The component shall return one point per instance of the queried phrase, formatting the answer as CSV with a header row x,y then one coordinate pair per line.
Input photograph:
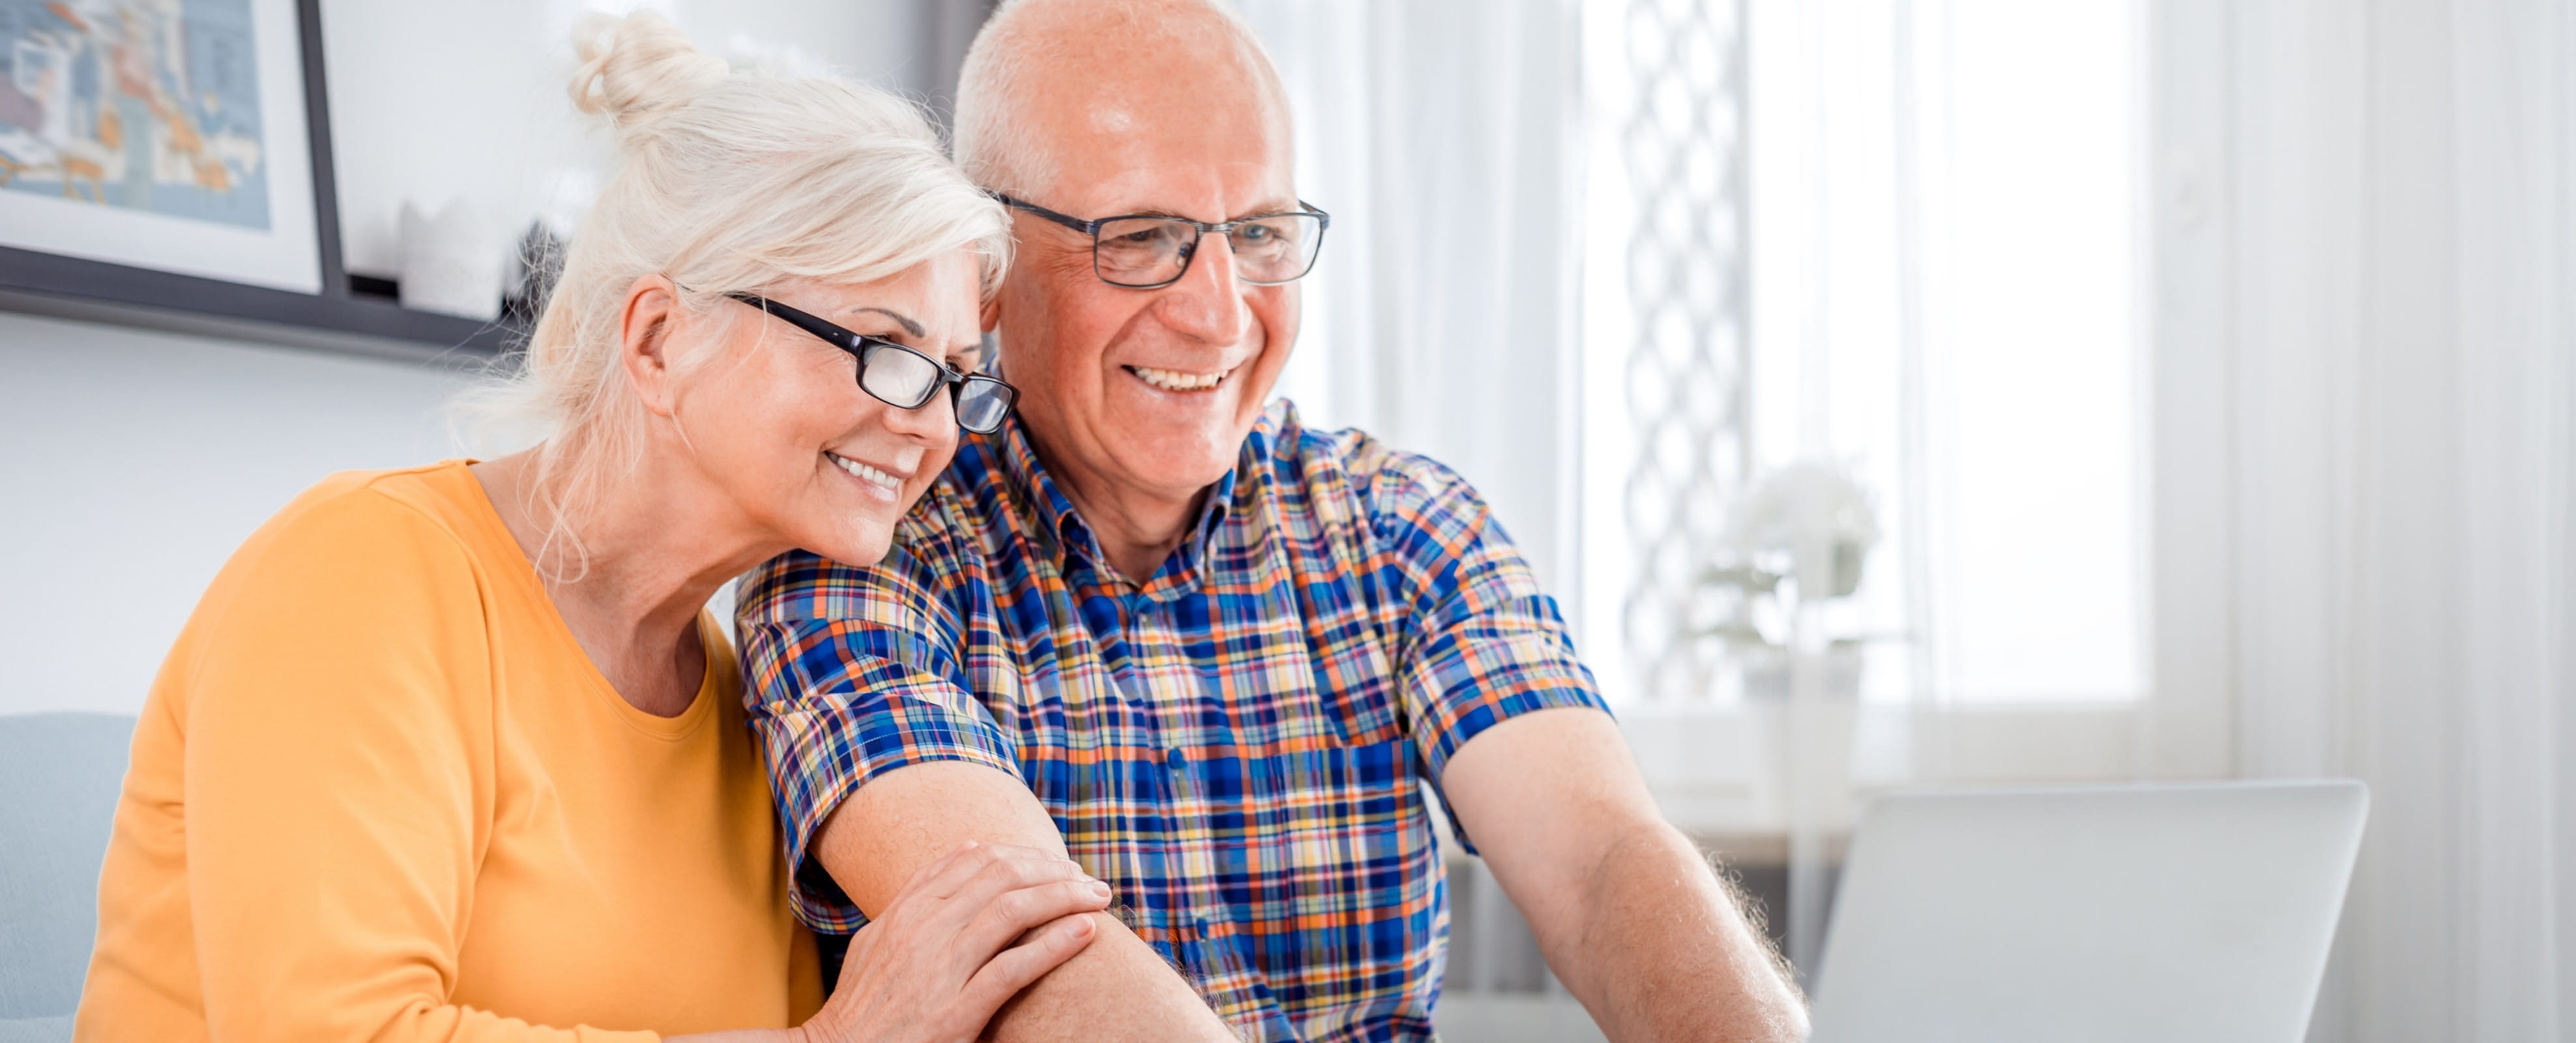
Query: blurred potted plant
x,y
1796,542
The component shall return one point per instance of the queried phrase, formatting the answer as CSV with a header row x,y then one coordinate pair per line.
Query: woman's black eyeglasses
x,y
1152,251
901,377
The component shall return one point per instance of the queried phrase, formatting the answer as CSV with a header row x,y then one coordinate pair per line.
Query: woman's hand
x,y
966,934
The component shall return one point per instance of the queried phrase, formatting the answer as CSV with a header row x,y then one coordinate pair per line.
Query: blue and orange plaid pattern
x,y
1236,746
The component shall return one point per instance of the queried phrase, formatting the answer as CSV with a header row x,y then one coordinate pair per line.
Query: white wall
x,y
134,462
467,98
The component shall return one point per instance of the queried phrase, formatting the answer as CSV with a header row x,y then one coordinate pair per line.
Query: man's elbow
x,y
908,817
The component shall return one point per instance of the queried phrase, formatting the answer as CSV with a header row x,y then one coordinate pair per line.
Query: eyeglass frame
x,y
861,345
1091,228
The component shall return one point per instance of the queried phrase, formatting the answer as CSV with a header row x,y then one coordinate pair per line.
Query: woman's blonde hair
x,y
728,180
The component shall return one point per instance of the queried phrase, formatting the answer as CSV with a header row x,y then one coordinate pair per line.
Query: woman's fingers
x,y
1014,968
947,937
952,872
1006,872
1000,922
942,876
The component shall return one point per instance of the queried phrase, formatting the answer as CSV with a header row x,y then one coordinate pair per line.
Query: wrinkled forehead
x,y
1193,101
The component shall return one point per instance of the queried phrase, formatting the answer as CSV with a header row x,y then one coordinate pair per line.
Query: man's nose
x,y
1207,304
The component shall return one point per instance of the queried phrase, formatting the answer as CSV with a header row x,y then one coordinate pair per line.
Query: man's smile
x,y
1177,380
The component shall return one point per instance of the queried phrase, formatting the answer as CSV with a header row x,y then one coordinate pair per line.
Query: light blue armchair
x,y
59,776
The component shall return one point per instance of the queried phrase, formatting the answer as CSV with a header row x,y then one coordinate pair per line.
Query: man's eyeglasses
x,y
1151,251
901,377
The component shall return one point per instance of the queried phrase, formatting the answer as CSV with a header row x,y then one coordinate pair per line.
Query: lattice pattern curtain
x,y
1674,105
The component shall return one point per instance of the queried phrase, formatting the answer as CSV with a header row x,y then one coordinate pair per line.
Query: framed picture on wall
x,y
167,164
168,135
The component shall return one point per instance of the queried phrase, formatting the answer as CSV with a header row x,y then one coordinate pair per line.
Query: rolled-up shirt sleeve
x,y
1478,642
853,673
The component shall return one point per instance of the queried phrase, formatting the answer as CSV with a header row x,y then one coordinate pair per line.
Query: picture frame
x,y
166,206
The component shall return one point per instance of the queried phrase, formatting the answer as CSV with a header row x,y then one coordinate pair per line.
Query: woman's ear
x,y
644,340
990,315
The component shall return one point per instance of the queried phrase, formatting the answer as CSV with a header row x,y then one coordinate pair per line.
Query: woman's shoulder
x,y
359,534
427,498
357,591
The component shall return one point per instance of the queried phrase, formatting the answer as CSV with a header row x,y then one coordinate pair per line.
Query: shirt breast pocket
x,y
1346,655
1356,683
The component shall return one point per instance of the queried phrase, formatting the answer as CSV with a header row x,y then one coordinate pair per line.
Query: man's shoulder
x,y
1381,481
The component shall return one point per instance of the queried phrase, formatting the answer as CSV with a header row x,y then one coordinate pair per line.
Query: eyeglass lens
x,y
1150,251
900,377
907,379
981,403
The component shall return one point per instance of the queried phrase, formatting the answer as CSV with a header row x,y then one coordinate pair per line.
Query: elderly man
x,y
1209,653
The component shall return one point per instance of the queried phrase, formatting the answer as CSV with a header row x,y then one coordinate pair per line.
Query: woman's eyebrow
x,y
909,326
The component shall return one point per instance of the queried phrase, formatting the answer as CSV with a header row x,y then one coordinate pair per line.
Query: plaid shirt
x,y
1236,746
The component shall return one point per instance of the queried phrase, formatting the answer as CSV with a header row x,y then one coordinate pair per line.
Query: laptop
x,y
2130,914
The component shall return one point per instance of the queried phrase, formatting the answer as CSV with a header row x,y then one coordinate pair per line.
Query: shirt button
x,y
1175,759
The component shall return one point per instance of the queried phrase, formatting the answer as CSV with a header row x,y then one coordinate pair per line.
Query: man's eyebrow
x,y
909,326
1263,209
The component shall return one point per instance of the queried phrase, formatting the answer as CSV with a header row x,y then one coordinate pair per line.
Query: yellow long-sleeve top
x,y
379,793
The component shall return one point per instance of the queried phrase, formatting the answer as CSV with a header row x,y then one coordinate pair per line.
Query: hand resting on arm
x,y
1116,988
965,934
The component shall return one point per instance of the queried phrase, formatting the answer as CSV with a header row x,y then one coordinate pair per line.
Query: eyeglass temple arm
x,y
1067,220
830,333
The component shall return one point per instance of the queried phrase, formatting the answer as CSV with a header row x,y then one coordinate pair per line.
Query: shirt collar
x,y
1060,523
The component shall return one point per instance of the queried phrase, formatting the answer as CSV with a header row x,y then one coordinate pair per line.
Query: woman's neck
x,y
653,549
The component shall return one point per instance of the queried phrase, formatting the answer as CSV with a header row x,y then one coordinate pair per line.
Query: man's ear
x,y
991,312
644,337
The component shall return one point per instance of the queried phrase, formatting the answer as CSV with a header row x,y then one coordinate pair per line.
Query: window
x,y
1903,238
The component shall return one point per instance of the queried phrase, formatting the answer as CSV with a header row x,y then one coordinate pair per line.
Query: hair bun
x,y
637,67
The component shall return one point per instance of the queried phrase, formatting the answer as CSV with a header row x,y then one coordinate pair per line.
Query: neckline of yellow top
x,y
522,571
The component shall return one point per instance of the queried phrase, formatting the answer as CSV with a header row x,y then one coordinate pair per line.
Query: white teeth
x,y
866,473
1175,380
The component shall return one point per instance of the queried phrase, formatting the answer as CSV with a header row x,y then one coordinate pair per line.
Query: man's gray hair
x,y
995,141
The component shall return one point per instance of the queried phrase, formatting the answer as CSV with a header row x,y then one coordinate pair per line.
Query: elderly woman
x,y
455,752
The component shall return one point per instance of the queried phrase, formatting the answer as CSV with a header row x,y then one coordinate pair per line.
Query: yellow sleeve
x,y
339,783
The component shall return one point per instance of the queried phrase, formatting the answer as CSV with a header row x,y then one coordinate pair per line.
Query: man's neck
x,y
1137,528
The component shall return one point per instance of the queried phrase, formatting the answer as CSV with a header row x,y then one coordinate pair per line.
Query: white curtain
x,y
1442,314
2403,260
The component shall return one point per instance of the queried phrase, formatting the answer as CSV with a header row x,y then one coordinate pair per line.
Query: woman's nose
x,y
931,421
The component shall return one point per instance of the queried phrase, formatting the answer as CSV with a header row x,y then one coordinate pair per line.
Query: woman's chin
x,y
860,545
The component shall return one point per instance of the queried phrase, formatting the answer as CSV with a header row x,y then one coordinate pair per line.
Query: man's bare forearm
x,y
1662,935
1629,915
1117,988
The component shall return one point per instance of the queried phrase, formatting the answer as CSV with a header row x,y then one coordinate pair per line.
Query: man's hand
x,y
1116,988
1628,914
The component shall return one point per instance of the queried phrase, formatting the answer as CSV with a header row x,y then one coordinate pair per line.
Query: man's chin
x,y
1189,460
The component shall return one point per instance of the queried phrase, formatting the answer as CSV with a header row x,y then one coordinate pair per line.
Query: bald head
x,y
1049,78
